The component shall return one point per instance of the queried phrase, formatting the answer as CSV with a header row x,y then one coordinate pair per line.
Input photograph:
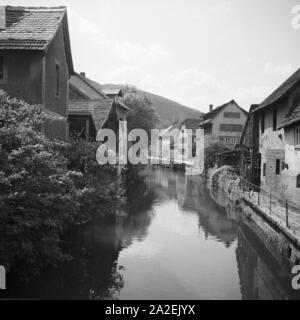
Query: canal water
x,y
175,243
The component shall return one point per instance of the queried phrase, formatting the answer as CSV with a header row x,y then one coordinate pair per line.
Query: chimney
x,y
82,74
211,107
2,18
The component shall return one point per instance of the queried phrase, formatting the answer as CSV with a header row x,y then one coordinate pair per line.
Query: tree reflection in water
x,y
96,270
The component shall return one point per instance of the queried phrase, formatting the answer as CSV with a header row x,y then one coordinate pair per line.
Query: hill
x,y
171,111
168,110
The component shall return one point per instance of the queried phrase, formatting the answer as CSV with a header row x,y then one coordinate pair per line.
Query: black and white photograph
x,y
150,151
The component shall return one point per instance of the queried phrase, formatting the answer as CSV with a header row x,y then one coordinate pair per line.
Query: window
x,y
274,119
262,123
298,181
297,135
1,68
236,115
264,169
277,166
231,127
57,71
229,140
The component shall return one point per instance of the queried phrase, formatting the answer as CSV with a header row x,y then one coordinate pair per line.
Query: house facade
x,y
192,125
279,140
224,125
249,156
91,110
36,60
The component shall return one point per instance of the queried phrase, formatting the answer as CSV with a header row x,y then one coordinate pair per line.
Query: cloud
x,y
214,10
190,86
84,28
138,53
221,8
255,94
283,70
128,74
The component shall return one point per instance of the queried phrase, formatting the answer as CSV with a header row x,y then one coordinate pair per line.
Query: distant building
x,y
224,125
188,124
112,93
91,110
36,60
250,158
175,138
279,139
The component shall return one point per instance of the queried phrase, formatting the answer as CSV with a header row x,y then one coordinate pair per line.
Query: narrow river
x,y
175,243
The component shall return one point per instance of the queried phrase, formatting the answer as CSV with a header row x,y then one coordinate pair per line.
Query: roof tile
x,y
281,91
99,109
291,118
30,28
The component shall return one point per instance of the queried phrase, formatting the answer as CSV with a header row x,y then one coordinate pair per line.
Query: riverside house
x,y
279,139
224,124
90,109
36,61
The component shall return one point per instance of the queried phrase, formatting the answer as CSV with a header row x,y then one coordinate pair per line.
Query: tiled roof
x,y
214,112
112,91
29,28
291,118
99,109
281,91
191,123
94,102
120,103
86,87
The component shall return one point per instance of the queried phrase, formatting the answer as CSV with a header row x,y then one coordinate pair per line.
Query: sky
x,y
196,52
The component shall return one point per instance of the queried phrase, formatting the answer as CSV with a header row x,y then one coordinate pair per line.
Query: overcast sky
x,y
196,52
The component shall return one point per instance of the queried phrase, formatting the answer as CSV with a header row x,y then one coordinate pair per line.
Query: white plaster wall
x,y
281,139
292,159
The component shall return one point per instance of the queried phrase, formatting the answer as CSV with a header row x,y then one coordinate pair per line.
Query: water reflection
x,y
175,243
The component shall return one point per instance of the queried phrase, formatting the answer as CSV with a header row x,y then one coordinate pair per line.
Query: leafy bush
x,y
210,155
46,186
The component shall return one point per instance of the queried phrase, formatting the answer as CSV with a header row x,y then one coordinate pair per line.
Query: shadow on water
x,y
175,243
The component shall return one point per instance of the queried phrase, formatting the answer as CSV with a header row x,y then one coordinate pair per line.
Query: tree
x,y
46,187
142,114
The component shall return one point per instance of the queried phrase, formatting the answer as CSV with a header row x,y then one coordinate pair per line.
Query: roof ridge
x,y
45,9
85,80
281,90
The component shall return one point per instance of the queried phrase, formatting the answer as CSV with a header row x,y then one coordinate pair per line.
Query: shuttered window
x,y
236,115
277,166
298,181
57,70
1,67
262,122
274,119
231,127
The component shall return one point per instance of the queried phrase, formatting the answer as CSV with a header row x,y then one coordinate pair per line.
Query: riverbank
x,y
282,242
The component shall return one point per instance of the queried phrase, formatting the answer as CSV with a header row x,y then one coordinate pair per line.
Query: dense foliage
x,y
46,187
210,155
142,113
